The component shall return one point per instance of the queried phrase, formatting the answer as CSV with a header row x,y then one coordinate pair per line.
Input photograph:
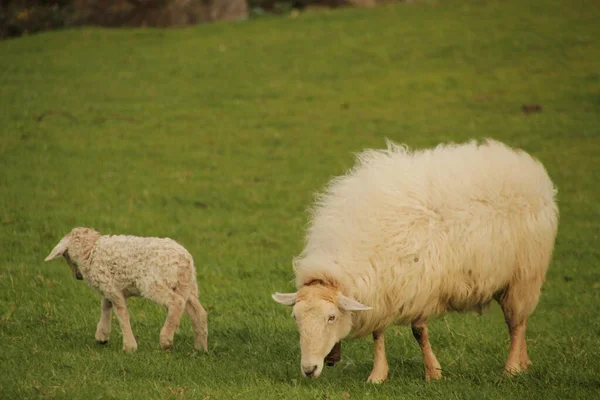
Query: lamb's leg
x,y
175,304
176,308
120,305
380,370
432,366
199,322
103,329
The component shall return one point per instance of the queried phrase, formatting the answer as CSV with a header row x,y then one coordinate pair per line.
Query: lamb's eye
x,y
293,315
331,318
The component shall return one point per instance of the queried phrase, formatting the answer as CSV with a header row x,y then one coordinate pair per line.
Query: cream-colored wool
x,y
122,266
414,234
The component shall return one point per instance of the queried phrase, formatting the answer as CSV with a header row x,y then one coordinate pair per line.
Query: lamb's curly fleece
x,y
416,233
121,266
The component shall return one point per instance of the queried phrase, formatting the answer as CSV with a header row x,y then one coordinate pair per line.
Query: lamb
x,y
122,266
407,235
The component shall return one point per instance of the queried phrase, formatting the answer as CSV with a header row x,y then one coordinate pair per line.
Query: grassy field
x,y
219,135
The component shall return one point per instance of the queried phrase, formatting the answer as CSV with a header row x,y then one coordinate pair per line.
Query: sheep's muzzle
x,y
335,355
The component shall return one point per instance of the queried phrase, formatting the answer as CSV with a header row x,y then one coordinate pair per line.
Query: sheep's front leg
x,y
432,366
120,304
517,361
103,330
380,370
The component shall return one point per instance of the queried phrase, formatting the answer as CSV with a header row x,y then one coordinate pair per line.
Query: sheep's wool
x,y
122,266
418,233
147,261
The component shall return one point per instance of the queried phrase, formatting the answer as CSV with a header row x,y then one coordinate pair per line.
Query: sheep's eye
x,y
293,315
331,318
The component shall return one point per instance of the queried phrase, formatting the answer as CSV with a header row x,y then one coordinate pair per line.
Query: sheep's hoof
x,y
512,370
377,378
376,381
433,375
101,341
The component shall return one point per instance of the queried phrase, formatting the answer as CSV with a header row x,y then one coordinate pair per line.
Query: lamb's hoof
x,y
102,337
201,347
167,346
130,349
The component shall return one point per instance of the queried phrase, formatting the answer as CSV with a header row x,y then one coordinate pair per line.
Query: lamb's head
x,y
324,318
76,247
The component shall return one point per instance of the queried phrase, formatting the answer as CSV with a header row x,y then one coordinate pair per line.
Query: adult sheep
x,y
408,235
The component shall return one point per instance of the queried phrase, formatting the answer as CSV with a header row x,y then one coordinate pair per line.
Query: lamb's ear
x,y
287,299
59,250
349,304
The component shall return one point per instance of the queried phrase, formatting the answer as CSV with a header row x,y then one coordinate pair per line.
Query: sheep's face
x,y
321,325
324,318
74,267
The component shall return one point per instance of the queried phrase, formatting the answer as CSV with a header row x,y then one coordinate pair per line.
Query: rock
x,y
158,13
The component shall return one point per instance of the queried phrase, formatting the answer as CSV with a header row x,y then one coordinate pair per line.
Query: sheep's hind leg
x,y
517,303
517,360
120,305
433,371
197,314
103,329
175,304
380,370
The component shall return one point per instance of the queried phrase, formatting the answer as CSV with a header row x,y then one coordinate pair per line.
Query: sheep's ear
x,y
349,304
287,299
59,250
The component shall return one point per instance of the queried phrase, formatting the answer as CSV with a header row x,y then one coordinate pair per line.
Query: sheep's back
x,y
138,263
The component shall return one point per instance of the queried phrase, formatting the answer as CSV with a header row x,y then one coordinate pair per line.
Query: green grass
x,y
218,136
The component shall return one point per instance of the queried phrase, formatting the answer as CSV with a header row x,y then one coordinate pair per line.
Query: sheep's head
x,y
324,318
76,247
